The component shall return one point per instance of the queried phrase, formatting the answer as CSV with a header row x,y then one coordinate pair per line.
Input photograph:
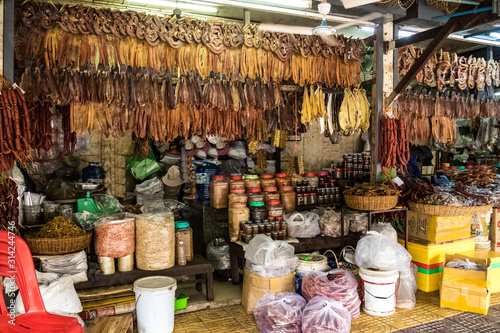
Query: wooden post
x,y
7,16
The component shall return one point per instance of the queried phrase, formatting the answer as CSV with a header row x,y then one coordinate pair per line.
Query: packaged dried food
x,y
329,223
312,178
288,199
252,181
267,180
257,211
255,194
237,213
323,314
282,179
271,193
219,190
114,238
279,313
218,254
155,241
237,195
236,181
274,208
184,233
302,225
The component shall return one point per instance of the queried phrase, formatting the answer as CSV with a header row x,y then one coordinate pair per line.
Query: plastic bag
x,y
268,258
218,254
143,167
114,236
385,229
107,204
303,225
162,206
87,220
280,313
329,224
358,222
407,287
149,187
323,314
381,252
467,265
337,284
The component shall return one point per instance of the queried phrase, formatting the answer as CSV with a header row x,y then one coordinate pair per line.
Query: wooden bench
x,y
113,324
199,266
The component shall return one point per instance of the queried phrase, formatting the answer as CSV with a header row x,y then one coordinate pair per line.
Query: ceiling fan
x,y
326,32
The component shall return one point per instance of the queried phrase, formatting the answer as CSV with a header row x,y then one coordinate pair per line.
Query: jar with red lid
x,y
267,180
299,199
324,179
219,190
274,208
312,178
288,199
338,173
255,194
296,178
271,193
236,181
282,179
237,195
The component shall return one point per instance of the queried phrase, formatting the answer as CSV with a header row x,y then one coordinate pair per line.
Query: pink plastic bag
x,y
323,314
337,284
280,313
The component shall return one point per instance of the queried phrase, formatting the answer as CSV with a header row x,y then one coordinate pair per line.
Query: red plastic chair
x,y
16,260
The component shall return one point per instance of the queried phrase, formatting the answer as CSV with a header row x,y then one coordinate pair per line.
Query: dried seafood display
x,y
444,199
9,204
414,189
371,190
394,144
313,105
482,175
445,68
41,117
354,114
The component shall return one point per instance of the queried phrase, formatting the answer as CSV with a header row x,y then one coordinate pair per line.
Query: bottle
x,y
181,254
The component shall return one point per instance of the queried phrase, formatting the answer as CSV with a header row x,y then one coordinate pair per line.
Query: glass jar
x,y
242,225
274,208
282,179
338,173
255,229
237,213
349,174
262,228
257,211
271,193
312,178
274,235
284,225
267,180
299,199
247,238
281,235
241,236
279,220
247,229
295,179
236,181
271,218
313,200
268,227
336,198
288,199
237,195
184,233
306,199
219,190
255,194
273,226
321,199
323,178
252,181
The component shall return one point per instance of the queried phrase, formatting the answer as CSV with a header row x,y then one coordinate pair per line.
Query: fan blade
x,y
356,3
290,29
330,40
360,20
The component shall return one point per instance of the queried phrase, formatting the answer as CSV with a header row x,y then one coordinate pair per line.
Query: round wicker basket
x,y
371,203
448,210
61,245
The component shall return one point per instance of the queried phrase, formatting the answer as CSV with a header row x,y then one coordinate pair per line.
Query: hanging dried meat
x,y
354,114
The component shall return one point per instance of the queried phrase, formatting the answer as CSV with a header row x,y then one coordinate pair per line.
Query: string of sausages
x,y
394,149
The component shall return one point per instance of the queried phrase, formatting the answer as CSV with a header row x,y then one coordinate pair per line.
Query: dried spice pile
x,y
59,227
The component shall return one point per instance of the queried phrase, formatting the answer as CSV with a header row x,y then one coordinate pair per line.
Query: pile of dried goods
x,y
371,190
481,176
115,238
59,227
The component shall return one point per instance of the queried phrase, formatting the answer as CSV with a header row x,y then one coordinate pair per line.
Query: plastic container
x,y
271,193
204,174
309,263
237,195
219,190
379,291
255,194
288,199
184,233
155,304
267,180
93,173
312,178
252,181
50,210
296,178
106,265
237,213
257,211
126,264
236,181
282,179
274,208
32,215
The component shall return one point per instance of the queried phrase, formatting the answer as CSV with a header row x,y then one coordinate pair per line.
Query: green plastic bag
x,y
143,167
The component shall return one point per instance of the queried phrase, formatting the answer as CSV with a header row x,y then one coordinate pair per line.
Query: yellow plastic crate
x,y
494,266
430,260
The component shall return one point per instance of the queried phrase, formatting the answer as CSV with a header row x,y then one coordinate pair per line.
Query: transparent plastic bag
x,y
107,204
337,284
114,236
407,287
329,224
358,222
381,252
162,206
149,187
323,314
87,220
218,254
303,225
268,258
385,229
280,313
467,265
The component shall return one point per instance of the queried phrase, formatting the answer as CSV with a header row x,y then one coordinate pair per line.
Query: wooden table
x,y
199,266
304,245
113,324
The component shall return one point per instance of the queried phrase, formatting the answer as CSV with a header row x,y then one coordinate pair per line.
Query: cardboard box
x,y
466,290
438,229
254,287
494,258
495,230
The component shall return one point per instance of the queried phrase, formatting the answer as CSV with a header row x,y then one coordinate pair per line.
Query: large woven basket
x,y
448,210
359,202
61,245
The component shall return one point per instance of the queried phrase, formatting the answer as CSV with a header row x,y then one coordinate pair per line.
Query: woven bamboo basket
x,y
359,202
61,245
396,4
448,7
448,210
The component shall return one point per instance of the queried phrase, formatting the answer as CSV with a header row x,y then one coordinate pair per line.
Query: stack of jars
x,y
274,227
317,189
355,166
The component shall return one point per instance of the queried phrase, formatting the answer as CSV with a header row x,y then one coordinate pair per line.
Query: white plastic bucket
x,y
379,291
155,304
309,263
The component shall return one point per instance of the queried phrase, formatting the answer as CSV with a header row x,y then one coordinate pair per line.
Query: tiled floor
x,y
425,317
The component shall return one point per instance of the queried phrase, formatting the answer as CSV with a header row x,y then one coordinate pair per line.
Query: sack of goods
x,y
303,225
279,313
323,314
336,284
268,258
74,264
